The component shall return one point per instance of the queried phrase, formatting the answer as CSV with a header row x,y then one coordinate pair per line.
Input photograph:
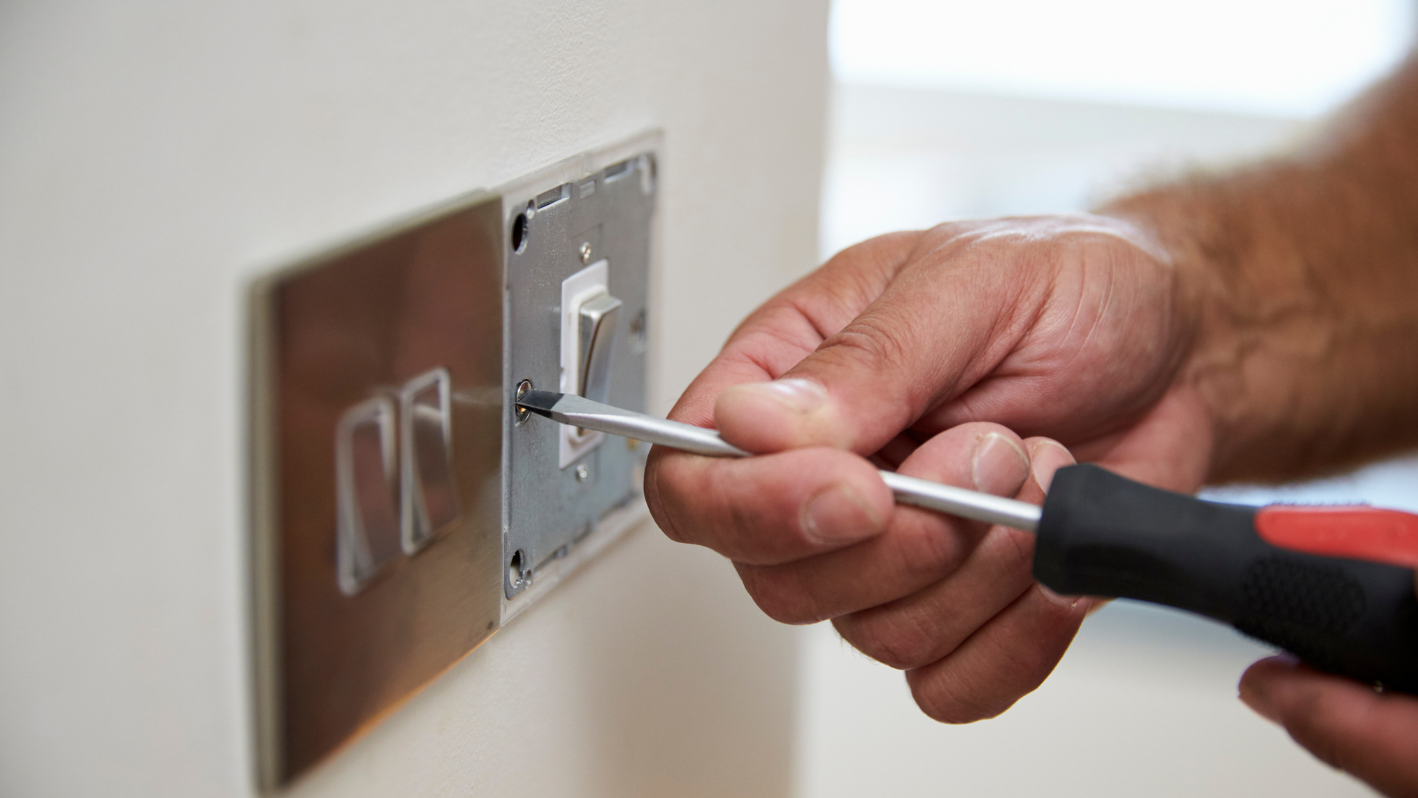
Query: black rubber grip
x,y
1103,535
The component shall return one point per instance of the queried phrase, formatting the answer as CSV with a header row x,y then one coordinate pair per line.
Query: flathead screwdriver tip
x,y
539,402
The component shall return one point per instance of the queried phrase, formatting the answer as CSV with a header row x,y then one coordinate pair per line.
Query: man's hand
x,y
898,350
1347,725
1261,328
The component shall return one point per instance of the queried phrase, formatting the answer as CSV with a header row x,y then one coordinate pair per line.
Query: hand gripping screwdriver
x,y
1333,585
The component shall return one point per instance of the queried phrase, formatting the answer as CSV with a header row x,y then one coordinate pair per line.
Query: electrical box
x,y
403,510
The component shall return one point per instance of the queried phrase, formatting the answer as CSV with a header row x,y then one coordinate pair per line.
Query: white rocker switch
x,y
589,316
598,316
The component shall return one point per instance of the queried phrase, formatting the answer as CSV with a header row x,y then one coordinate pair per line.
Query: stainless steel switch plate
x,y
402,510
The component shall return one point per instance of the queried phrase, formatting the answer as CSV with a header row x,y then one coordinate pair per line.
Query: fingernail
x,y
999,466
1046,458
1068,601
839,515
793,393
1258,701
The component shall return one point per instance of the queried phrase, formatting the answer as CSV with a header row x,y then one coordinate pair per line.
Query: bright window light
x,y
1284,57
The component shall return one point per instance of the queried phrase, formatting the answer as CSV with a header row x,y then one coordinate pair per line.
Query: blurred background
x,y
950,110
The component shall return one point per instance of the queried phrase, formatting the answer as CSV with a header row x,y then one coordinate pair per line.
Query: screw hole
x,y
515,574
646,167
519,232
639,337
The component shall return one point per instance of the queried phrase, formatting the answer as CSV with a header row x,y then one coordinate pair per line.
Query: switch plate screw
x,y
516,570
586,252
517,412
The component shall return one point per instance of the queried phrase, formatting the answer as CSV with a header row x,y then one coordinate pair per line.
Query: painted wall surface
x,y
155,156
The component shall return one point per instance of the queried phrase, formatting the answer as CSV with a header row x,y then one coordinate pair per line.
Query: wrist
x,y
1214,262
1302,352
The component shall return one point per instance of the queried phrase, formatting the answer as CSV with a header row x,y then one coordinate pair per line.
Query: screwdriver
x,y
1333,585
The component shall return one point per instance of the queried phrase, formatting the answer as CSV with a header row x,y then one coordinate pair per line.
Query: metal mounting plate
x,y
602,215
381,375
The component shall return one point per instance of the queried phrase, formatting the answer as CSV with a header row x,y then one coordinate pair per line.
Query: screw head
x,y
517,412
645,165
516,570
639,338
586,252
582,472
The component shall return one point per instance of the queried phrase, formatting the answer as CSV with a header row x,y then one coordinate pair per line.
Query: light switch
x,y
402,509
588,320
428,492
597,323
366,492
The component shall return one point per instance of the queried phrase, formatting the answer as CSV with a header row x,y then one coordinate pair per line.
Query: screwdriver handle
x,y
1103,535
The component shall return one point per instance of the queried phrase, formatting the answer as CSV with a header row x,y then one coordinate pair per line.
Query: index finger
x,y
767,509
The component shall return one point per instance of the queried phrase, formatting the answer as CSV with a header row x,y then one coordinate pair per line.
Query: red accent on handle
x,y
1361,533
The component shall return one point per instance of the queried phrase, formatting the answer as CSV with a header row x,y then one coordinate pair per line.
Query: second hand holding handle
x,y
1104,535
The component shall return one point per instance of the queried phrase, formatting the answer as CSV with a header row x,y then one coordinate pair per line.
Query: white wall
x,y
154,157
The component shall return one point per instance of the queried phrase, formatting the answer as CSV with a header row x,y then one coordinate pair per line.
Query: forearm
x,y
1303,276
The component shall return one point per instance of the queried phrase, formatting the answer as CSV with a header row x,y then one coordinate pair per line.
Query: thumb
x,y
925,340
1344,723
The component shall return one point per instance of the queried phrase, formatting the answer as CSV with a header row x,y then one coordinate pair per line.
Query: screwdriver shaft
x,y
579,411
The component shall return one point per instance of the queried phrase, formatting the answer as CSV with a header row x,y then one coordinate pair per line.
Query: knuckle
x,y
936,699
777,595
1318,740
929,552
730,517
895,639
1058,622
947,231
876,248
1308,723
946,700
1016,550
657,494
1324,749
704,503
869,340
736,530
